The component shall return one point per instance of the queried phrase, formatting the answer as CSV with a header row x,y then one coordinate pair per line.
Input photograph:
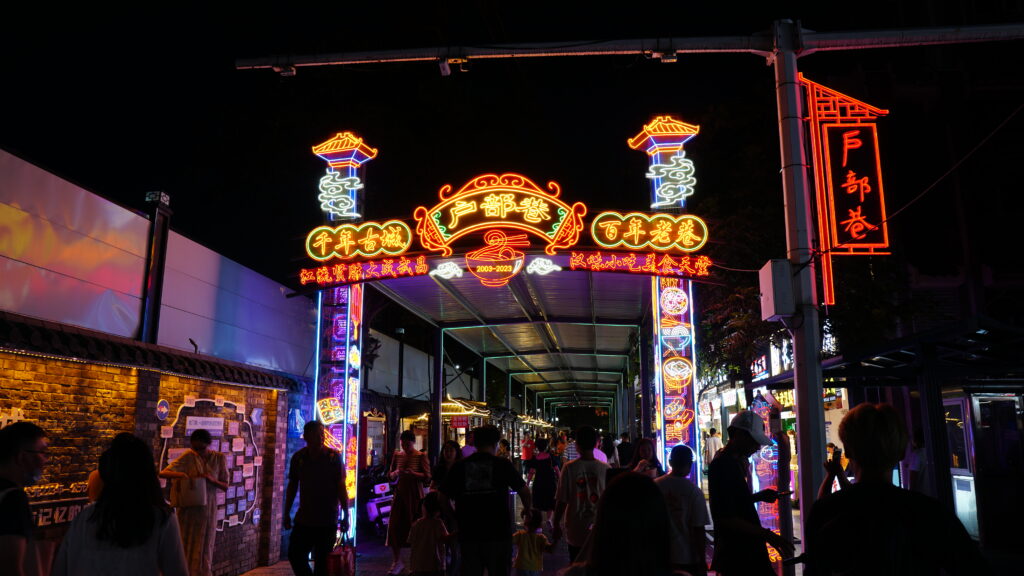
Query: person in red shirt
x,y
527,448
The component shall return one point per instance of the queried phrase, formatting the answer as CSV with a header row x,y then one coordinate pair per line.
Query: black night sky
x,y
148,98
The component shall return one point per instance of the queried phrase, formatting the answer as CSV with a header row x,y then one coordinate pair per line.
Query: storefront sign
x,y
459,422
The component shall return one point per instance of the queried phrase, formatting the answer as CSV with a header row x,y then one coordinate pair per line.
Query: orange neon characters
x,y
506,201
498,262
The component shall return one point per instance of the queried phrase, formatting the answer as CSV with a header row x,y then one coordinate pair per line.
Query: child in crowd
x,y
531,543
427,538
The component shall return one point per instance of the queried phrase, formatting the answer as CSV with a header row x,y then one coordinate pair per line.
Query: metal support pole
x,y
400,332
436,397
810,412
156,258
646,384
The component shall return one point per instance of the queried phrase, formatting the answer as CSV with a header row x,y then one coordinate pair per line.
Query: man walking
x,y
739,538
23,454
625,450
580,486
711,446
689,513
317,475
479,485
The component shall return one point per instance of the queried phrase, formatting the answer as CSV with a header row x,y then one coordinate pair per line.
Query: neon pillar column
x,y
673,411
340,322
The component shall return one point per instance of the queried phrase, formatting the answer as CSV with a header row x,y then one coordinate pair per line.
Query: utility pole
x,y
796,192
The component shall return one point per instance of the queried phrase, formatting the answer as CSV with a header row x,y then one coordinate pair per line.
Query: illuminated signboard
x,y
766,475
340,374
848,178
661,232
649,264
674,351
490,203
341,187
384,269
367,239
854,185
505,201
670,172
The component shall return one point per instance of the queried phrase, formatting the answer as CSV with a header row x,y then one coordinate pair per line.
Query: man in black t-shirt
x,y
625,450
739,537
317,475
23,449
479,486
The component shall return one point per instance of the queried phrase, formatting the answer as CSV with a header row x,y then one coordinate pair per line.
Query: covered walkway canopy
x,y
563,337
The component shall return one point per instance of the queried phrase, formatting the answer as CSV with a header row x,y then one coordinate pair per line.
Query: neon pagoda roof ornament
x,y
340,190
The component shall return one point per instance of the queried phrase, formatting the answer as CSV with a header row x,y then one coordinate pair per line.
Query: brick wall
x,y
82,406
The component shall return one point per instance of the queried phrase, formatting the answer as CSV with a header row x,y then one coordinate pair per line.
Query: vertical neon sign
x,y
340,321
672,181
766,475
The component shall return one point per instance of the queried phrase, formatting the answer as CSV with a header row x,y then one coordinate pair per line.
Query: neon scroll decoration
x,y
660,232
848,178
341,187
384,269
649,264
670,172
506,201
366,239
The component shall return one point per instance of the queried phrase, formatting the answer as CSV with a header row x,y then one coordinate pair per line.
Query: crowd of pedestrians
x,y
619,511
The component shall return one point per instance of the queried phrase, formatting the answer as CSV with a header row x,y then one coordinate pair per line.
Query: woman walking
x,y
410,471
198,522
542,470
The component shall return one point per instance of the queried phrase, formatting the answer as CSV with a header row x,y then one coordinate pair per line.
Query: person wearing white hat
x,y
739,537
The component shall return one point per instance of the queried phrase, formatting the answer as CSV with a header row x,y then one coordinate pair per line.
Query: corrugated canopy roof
x,y
566,331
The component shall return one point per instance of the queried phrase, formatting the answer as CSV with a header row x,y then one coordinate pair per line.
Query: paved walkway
x,y
374,559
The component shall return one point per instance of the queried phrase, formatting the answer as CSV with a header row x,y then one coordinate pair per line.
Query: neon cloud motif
x,y
674,181
447,270
542,266
338,194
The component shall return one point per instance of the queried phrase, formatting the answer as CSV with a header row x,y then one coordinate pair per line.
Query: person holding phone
x,y
835,472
